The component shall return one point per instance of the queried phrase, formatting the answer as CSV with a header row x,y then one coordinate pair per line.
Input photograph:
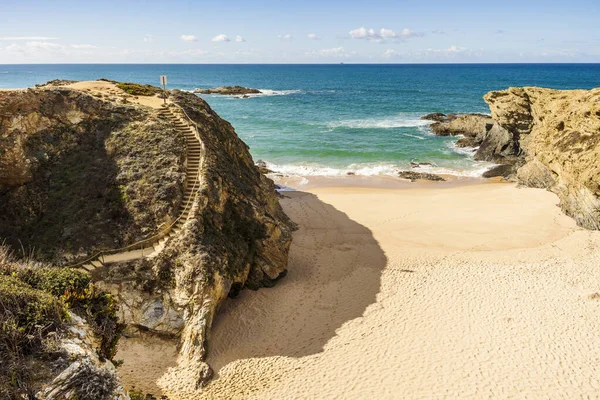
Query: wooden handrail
x,y
152,239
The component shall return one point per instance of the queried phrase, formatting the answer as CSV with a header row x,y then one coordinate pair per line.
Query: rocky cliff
x,y
556,136
238,237
541,138
82,170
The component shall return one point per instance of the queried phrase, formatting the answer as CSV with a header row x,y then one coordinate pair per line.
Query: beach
x,y
477,291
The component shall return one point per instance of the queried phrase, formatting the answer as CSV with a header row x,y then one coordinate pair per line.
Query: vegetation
x,y
138,90
34,306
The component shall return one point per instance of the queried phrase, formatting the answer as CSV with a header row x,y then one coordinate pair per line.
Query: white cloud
x,y
221,38
149,38
287,36
27,38
313,36
189,38
240,39
407,33
387,33
83,46
390,53
384,33
364,33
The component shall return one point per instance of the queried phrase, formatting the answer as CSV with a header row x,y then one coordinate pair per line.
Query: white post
x,y
163,81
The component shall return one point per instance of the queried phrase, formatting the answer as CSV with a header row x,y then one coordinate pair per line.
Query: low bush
x,y
34,303
138,90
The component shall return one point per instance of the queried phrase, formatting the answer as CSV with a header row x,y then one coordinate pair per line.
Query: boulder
x,y
438,117
497,144
504,170
413,176
469,125
535,174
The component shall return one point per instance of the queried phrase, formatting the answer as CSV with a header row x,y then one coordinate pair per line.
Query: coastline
x,y
303,183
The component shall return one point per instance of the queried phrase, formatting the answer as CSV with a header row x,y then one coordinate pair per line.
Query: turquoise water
x,y
330,119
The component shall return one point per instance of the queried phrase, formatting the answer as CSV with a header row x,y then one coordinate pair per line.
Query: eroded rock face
x,y
558,134
468,125
132,161
238,237
79,173
84,375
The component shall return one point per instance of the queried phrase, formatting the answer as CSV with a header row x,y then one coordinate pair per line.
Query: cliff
x,y
82,172
88,166
553,138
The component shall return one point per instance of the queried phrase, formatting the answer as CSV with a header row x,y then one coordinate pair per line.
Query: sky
x,y
306,31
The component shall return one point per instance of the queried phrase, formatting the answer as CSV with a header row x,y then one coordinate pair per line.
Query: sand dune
x,y
474,292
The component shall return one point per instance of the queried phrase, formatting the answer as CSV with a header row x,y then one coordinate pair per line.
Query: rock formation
x,y
471,126
80,173
556,135
228,90
413,176
238,236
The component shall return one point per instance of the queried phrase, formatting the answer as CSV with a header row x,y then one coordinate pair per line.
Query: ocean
x,y
334,119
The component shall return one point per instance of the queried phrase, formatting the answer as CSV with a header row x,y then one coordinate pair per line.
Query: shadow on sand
x,y
334,274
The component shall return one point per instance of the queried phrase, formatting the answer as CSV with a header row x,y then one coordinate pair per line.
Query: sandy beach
x,y
480,291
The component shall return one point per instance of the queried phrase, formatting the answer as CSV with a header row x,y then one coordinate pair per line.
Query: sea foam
x,y
470,169
381,123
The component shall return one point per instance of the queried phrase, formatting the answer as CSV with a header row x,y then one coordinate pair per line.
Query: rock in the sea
x,y
413,176
262,167
415,164
438,117
469,125
558,137
228,90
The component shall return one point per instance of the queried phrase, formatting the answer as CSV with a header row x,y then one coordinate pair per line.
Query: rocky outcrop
x,y
228,90
82,375
556,135
413,176
237,235
467,125
79,173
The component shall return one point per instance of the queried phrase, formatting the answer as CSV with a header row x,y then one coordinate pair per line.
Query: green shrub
x,y
27,316
34,302
138,90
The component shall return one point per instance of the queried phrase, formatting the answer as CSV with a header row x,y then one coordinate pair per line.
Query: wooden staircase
x,y
152,246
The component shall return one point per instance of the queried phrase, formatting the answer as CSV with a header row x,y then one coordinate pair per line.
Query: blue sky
x,y
307,31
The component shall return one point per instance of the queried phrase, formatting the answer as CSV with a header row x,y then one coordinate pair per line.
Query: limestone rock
x,y
535,174
504,170
496,145
86,376
558,133
413,176
469,125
